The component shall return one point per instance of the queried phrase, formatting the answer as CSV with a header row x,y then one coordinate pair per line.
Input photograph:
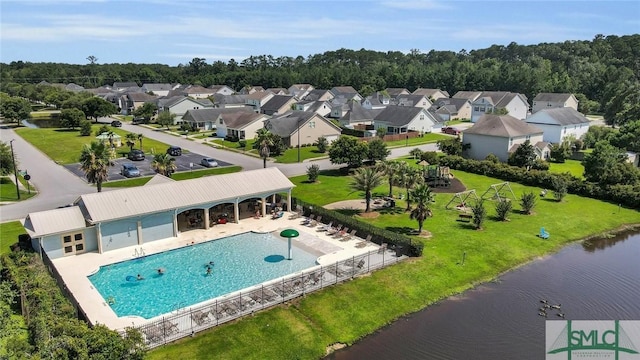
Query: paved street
x,y
59,185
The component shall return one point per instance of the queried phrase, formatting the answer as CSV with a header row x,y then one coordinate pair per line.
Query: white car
x,y
208,162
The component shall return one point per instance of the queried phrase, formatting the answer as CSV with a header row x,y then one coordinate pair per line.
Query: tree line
x,y
595,70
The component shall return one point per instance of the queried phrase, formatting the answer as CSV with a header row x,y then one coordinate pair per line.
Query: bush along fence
x,y
627,195
188,321
402,243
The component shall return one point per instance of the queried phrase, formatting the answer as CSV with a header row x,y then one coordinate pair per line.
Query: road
x,y
58,186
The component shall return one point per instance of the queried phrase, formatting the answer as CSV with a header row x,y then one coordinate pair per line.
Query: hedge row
x,y
55,332
401,243
626,195
352,132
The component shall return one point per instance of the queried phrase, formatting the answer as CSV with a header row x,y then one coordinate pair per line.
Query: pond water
x,y
598,280
42,123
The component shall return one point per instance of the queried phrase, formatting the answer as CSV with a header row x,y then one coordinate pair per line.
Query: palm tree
x,y
389,168
263,143
423,197
131,140
140,137
95,161
366,179
409,177
164,164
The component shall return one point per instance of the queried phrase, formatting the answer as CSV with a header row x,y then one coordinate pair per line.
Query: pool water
x,y
239,261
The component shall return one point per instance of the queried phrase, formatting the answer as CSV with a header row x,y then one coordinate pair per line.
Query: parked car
x,y
208,162
116,123
450,130
130,170
136,155
138,120
174,151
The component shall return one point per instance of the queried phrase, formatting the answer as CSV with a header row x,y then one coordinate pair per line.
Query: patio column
x,y
206,219
175,223
289,206
236,210
264,206
139,231
98,236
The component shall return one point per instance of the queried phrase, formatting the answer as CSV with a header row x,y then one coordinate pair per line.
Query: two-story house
x,y
452,108
179,105
278,104
560,123
300,91
302,127
222,89
554,100
257,99
496,102
431,94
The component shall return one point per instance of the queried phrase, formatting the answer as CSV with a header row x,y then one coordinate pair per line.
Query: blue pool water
x,y
240,261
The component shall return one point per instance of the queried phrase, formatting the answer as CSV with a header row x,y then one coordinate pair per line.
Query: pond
x,y
48,122
597,280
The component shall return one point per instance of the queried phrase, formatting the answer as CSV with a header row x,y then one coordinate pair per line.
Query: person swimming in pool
x,y
139,277
211,263
208,270
160,271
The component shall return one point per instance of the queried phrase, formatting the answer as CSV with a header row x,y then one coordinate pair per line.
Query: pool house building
x,y
116,219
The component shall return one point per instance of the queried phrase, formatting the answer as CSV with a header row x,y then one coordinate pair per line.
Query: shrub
x,y
431,157
322,144
503,208
527,202
559,188
313,172
540,164
242,144
479,214
85,128
102,129
416,153
492,158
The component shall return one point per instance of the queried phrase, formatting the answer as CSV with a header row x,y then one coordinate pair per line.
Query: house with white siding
x,y
157,89
211,118
560,123
197,92
412,100
302,127
300,91
179,105
257,99
554,100
222,89
431,94
278,104
402,119
452,108
239,125
500,135
514,104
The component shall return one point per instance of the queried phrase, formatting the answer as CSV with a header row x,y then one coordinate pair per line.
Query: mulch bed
x,y
455,187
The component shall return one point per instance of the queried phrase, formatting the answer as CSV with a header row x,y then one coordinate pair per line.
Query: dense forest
x,y
593,68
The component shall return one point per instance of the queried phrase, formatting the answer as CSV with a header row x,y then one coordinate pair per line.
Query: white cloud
x,y
208,57
415,5
519,32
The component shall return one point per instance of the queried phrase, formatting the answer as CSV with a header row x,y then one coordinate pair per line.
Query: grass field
x,y
48,141
8,191
573,167
426,139
9,232
302,329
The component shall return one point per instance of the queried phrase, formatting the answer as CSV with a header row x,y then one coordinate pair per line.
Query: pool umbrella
x,y
289,233
423,163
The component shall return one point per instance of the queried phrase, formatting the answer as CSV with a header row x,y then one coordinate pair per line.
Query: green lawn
x,y
48,141
344,313
574,167
8,190
306,152
426,139
9,232
186,175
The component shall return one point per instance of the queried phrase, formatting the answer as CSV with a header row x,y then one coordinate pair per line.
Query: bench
x,y
465,217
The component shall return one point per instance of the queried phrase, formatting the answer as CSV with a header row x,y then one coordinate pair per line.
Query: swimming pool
x,y
240,261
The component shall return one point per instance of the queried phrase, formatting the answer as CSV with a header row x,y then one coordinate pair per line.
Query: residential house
x,y
239,124
412,100
179,105
402,119
469,95
210,118
554,100
222,89
121,86
452,108
300,91
395,92
248,90
197,92
278,104
322,108
230,101
376,101
278,91
560,123
157,89
302,127
431,94
346,92
319,95
257,99
514,104
358,115
137,99
500,135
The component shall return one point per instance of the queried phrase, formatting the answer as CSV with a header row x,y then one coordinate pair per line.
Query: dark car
x,y
136,155
130,170
450,130
116,123
174,151
138,120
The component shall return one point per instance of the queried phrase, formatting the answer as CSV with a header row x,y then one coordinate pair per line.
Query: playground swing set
x,y
500,191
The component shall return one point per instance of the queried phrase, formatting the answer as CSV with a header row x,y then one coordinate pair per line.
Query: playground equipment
x,y
462,198
435,175
499,191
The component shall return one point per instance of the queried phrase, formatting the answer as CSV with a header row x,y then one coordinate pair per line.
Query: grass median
x,y
303,328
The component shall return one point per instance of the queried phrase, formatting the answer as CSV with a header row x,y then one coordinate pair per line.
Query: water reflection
x,y
500,320
42,123
601,244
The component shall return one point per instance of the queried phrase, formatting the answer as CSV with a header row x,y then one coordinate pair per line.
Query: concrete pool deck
x,y
76,269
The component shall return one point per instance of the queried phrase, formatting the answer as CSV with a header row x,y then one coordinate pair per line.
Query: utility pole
x,y
15,170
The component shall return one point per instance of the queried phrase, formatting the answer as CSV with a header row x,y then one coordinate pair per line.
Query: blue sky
x,y
175,31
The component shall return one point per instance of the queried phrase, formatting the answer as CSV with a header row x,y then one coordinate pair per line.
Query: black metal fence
x,y
186,322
